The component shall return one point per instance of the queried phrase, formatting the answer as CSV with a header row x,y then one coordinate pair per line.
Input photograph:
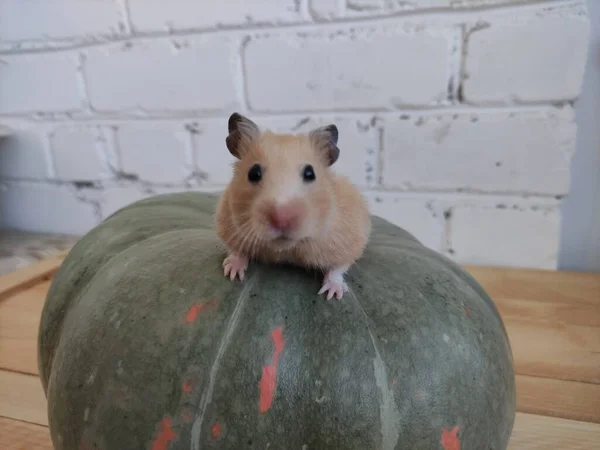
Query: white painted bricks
x,y
414,213
494,151
510,237
142,152
39,83
59,19
159,15
455,117
46,208
346,69
78,154
162,74
526,62
332,9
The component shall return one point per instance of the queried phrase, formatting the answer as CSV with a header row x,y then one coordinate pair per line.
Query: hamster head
x,y
281,189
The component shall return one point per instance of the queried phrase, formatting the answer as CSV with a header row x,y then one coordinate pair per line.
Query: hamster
x,y
285,204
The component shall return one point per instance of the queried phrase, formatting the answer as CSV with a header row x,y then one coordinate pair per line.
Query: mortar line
x,y
464,109
450,16
437,195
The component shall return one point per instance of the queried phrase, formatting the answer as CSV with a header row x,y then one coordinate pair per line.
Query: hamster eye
x,y
308,174
255,174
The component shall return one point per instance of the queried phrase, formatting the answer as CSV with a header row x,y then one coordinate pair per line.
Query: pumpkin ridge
x,y
388,413
229,329
89,282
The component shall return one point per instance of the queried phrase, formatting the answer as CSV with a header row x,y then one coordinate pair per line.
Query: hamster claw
x,y
333,287
235,265
334,283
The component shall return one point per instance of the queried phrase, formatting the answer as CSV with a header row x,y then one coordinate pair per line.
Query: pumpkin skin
x,y
144,344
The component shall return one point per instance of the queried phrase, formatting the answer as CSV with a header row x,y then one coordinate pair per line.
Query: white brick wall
x,y
24,20
455,116
340,68
78,154
46,208
528,60
162,74
491,151
413,212
142,153
39,83
504,233
158,15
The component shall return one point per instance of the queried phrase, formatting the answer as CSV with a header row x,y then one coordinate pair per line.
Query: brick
x,y
412,213
358,144
155,154
519,152
22,155
213,160
331,9
368,7
376,7
325,9
342,71
39,83
479,3
46,208
505,237
116,197
58,19
158,15
532,61
78,154
161,75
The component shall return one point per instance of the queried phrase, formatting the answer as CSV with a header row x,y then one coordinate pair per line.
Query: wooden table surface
x,y
552,318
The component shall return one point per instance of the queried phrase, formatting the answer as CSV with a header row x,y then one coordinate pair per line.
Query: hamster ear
x,y
241,131
325,140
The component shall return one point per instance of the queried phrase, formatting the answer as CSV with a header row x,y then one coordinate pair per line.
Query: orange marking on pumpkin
x,y
467,311
196,309
395,381
269,372
216,430
165,435
450,439
187,386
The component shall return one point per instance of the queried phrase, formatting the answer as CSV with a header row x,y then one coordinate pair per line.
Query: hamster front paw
x,y
334,284
235,265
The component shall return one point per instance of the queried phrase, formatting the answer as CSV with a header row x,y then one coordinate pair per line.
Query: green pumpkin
x,y
144,344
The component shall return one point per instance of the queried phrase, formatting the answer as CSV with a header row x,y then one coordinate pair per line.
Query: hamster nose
x,y
285,217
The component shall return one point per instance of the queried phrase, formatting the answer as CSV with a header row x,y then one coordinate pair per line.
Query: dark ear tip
x,y
332,129
233,120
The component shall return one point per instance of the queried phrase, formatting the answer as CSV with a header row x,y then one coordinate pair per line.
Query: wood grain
x,y
30,275
559,398
16,435
552,318
533,432
19,322
540,285
22,398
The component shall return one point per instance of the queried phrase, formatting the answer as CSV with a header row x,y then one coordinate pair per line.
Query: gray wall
x,y
580,234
